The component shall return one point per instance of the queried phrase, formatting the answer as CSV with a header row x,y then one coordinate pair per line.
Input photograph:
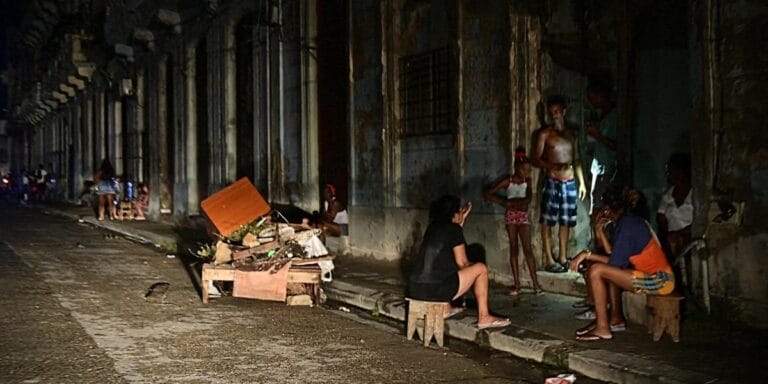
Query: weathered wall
x,y
737,158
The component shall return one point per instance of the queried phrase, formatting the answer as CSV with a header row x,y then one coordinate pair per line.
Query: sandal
x,y
584,330
538,291
514,292
590,336
498,323
582,304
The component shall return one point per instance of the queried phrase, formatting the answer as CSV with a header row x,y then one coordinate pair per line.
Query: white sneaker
x,y
586,315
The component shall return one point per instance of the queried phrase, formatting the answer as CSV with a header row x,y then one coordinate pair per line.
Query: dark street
x,y
76,313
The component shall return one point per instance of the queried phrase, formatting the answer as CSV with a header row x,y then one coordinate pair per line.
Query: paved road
x,y
74,312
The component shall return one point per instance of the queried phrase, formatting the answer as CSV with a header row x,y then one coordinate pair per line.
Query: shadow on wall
x,y
411,249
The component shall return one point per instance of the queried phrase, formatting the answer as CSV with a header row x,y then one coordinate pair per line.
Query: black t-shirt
x,y
436,262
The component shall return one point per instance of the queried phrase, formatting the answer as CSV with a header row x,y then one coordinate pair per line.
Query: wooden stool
x,y
664,314
125,210
426,317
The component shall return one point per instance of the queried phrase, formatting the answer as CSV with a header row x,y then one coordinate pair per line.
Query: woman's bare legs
x,y
102,201
476,275
525,239
513,251
112,208
599,275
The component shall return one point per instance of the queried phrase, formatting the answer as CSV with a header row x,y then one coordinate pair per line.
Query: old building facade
x,y
399,101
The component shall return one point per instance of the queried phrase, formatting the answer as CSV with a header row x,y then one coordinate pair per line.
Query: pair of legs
x,y
476,276
521,232
139,209
109,199
563,231
605,284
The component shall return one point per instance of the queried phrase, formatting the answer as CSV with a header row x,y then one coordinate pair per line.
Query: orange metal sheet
x,y
236,205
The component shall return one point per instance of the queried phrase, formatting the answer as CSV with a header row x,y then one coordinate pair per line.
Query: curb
x,y
595,363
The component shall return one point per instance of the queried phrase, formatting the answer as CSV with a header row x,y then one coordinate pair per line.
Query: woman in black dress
x,y
443,272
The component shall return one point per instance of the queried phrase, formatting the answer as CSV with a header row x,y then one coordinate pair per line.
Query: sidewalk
x,y
542,328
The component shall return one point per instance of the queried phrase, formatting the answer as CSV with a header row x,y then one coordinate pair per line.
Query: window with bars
x,y
425,94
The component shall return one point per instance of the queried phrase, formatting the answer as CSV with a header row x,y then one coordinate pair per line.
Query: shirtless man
x,y
557,154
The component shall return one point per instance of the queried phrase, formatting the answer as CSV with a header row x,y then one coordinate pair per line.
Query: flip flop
x,y
538,291
514,292
621,327
454,311
589,336
500,323
581,304
584,330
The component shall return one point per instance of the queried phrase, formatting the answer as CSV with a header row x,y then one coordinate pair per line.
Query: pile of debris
x,y
255,246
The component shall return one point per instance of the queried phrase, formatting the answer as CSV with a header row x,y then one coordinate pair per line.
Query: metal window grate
x,y
425,93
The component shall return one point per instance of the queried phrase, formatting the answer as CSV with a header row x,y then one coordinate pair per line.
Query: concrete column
x,y
77,150
99,128
190,125
141,99
229,93
87,142
309,118
165,192
117,138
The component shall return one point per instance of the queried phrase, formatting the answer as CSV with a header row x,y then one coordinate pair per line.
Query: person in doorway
x,y
675,213
601,142
636,263
107,189
518,195
443,272
333,218
557,154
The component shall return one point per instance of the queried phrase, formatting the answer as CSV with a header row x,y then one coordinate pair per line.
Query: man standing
x,y
557,154
601,144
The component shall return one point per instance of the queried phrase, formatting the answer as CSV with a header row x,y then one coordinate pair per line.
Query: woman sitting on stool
x,y
636,263
443,272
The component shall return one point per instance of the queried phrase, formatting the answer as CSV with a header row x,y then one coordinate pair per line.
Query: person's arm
x,y
491,194
594,132
602,237
460,256
588,256
578,169
538,151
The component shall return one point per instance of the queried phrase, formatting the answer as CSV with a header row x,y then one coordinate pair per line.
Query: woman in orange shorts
x,y
636,263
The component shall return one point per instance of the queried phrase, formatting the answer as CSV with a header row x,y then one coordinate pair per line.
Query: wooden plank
x,y
236,205
218,273
304,277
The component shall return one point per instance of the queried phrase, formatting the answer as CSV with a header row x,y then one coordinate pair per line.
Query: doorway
x,y
333,95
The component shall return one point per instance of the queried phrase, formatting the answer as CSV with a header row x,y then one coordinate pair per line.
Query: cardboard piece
x,y
236,205
263,285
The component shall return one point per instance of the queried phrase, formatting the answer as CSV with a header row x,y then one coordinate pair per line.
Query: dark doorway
x,y
244,81
333,94
201,107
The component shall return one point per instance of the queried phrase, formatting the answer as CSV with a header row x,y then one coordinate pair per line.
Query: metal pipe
x,y
705,283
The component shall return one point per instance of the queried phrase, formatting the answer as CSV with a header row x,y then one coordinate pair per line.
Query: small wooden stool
x,y
426,317
664,314
125,210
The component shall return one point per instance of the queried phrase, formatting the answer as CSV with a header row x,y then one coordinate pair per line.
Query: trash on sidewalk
x,y
265,260
563,378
